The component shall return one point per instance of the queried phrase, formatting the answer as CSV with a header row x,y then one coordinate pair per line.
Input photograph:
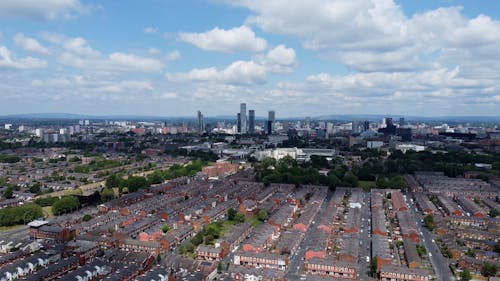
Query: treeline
x,y
287,170
20,215
59,206
9,158
98,164
208,156
134,183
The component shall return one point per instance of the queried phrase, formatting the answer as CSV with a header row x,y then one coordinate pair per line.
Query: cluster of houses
x,y
461,210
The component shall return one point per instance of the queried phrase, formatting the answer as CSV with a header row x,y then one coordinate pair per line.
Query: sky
x,y
299,58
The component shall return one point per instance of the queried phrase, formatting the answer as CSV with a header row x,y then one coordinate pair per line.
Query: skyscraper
x,y
238,123
270,121
201,123
366,126
401,122
243,118
251,121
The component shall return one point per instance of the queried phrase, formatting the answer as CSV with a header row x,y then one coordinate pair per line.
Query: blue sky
x,y
299,58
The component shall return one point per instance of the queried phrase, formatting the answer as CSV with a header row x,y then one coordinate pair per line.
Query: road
x,y
365,239
439,263
296,263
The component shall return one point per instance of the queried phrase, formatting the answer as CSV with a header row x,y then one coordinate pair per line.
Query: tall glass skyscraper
x,y
243,118
251,121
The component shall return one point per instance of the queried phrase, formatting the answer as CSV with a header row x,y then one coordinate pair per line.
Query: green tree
x,y
65,205
489,269
165,228
113,180
9,193
35,188
107,194
373,267
465,275
231,213
429,222
239,218
87,217
262,215
494,213
20,215
219,268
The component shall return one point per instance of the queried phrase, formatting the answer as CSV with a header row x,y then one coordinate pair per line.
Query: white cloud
x,y
122,60
375,35
7,60
80,47
81,55
229,41
173,56
239,72
29,44
168,96
150,30
36,9
127,86
278,60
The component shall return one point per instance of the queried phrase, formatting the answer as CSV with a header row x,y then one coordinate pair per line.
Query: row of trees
x,y
288,171
20,215
134,183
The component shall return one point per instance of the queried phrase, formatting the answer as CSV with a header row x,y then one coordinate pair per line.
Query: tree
x,y
494,213
9,193
65,205
429,222
107,194
20,215
262,215
239,218
489,269
465,275
113,180
35,188
87,217
165,228
219,268
231,213
373,267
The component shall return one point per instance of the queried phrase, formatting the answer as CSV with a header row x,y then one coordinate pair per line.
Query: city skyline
x,y
396,58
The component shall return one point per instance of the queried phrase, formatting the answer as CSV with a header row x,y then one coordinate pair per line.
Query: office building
x,y
201,123
366,126
243,118
402,122
271,118
238,122
251,121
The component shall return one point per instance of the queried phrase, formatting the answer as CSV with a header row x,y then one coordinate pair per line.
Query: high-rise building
x,y
238,122
271,118
366,126
201,123
402,122
308,122
243,118
251,121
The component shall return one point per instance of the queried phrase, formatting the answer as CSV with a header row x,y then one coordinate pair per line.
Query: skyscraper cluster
x,y
246,125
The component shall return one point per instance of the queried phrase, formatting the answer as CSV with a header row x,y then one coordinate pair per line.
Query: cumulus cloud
x,y
35,9
229,41
81,55
29,44
375,35
8,60
278,60
239,72
173,56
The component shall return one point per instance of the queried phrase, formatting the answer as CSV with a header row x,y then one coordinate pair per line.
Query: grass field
x,y
4,228
47,211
